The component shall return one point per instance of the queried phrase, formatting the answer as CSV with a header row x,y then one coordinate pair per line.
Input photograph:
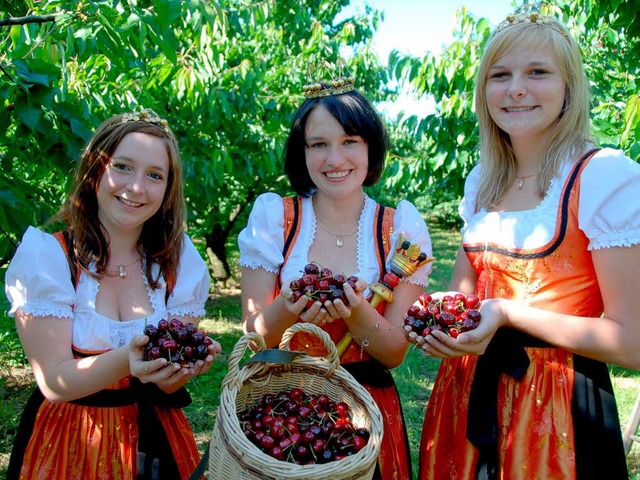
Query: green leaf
x,y
30,116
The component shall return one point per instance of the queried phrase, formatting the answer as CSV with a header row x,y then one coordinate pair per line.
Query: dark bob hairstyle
x,y
357,116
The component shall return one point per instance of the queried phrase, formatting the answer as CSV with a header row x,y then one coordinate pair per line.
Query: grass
x,y
414,377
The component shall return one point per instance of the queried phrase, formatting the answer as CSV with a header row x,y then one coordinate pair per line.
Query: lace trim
x,y
256,263
618,239
45,309
361,231
416,279
190,309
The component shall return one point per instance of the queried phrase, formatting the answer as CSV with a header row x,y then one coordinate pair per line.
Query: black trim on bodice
x,y
562,230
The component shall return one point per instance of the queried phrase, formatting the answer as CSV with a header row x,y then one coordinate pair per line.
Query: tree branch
x,y
28,19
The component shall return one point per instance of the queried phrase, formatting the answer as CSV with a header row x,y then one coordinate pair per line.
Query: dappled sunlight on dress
x,y
535,436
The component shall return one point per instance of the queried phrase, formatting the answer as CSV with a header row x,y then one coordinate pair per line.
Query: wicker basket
x,y
233,456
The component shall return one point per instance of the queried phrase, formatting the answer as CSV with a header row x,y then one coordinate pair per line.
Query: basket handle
x,y
238,352
332,353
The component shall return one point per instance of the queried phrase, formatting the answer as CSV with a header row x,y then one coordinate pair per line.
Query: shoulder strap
x,y
292,217
64,239
171,283
383,225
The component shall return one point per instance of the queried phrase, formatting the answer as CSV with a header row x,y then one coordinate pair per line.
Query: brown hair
x,y
162,235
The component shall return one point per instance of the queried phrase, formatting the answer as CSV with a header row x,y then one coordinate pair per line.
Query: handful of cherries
x,y
302,428
320,284
177,342
452,314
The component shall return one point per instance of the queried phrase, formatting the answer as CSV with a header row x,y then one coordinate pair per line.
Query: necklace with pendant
x,y
122,269
520,180
339,236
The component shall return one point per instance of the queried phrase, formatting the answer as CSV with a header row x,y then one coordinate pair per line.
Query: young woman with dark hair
x,y
336,146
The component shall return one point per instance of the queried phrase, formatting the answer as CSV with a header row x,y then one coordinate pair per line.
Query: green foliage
x,y
435,153
225,74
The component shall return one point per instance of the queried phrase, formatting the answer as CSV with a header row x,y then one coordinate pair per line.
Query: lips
x,y
337,175
129,203
517,109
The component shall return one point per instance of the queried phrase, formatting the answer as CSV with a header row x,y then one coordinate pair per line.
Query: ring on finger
x,y
146,367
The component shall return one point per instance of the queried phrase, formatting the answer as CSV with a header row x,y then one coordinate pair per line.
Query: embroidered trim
x,y
256,263
617,239
190,309
46,309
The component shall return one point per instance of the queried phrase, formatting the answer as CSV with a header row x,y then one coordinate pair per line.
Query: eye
x,y
538,72
317,145
499,75
156,176
120,166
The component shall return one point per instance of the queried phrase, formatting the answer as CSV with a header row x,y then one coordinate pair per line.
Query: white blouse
x,y
38,281
261,242
608,212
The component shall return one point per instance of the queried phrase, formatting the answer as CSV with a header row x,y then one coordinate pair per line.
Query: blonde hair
x,y
570,134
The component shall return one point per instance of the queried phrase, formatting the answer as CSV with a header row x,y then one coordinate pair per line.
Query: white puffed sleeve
x,y
38,279
261,242
609,212
408,220
467,207
191,289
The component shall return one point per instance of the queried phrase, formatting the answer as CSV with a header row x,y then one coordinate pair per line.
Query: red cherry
x,y
276,452
326,273
312,268
359,443
267,442
343,409
474,315
425,299
471,301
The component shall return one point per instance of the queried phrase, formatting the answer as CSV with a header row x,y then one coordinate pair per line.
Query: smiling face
x,y
525,92
133,184
337,162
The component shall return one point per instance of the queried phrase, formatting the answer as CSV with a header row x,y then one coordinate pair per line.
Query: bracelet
x,y
363,341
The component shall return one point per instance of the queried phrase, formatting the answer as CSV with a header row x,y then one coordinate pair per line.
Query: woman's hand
x,y
168,376
473,342
320,314
314,314
338,309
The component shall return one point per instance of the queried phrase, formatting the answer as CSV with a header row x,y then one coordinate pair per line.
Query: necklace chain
x,y
122,269
339,236
520,180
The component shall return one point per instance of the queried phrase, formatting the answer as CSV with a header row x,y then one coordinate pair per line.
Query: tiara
x,y
146,115
338,82
527,13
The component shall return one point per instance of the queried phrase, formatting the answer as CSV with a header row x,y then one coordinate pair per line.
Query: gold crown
x,y
407,258
337,83
146,115
528,13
